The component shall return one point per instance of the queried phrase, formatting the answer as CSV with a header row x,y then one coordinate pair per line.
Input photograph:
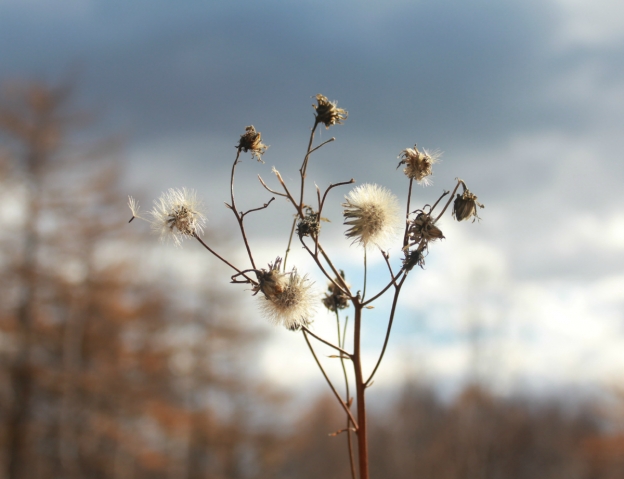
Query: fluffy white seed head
x,y
288,299
177,214
373,214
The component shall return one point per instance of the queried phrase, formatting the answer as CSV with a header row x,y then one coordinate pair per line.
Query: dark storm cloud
x,y
452,71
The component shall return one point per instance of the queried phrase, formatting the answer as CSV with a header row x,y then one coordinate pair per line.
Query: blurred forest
x,y
108,372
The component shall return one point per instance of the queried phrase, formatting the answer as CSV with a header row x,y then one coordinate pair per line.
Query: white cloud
x,y
592,23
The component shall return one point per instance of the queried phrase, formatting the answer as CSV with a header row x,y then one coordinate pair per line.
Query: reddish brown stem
x,y
222,258
397,291
239,217
360,388
331,386
348,396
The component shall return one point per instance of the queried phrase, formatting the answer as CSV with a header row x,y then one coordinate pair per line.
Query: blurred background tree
x,y
104,372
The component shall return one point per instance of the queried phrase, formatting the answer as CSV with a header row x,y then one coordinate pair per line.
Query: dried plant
x,y
372,215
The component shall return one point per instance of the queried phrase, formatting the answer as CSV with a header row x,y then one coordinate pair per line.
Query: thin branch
x,y
386,256
292,232
348,394
318,363
222,259
459,182
322,144
239,218
397,291
439,199
298,206
365,275
269,189
330,187
337,348
407,213
304,167
369,301
266,205
344,287
322,268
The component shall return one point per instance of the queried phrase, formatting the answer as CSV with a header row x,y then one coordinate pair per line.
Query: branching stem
x,y
331,386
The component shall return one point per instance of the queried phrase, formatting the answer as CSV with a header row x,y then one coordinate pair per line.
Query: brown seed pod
x,y
328,113
251,141
422,228
465,206
335,299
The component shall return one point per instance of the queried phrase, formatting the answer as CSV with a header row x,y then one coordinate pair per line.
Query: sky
x,y
524,98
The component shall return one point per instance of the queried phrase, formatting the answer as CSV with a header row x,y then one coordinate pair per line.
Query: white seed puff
x,y
373,214
177,214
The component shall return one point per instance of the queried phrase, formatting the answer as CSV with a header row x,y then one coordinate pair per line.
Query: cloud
x,y
524,98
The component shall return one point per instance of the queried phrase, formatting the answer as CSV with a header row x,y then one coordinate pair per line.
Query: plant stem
x,y
365,276
292,232
239,218
348,398
360,388
407,213
331,386
222,258
397,291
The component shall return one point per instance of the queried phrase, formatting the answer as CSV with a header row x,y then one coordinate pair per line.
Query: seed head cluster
x,y
288,299
372,212
328,113
420,231
418,164
251,140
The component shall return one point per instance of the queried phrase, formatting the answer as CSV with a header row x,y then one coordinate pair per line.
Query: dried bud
x,y
328,113
418,164
413,258
335,299
422,228
271,282
309,225
465,205
251,141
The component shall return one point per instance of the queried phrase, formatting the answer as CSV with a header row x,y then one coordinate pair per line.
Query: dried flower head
x,y
373,214
334,298
251,141
423,229
328,113
177,214
418,164
465,205
271,281
414,258
288,298
310,224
